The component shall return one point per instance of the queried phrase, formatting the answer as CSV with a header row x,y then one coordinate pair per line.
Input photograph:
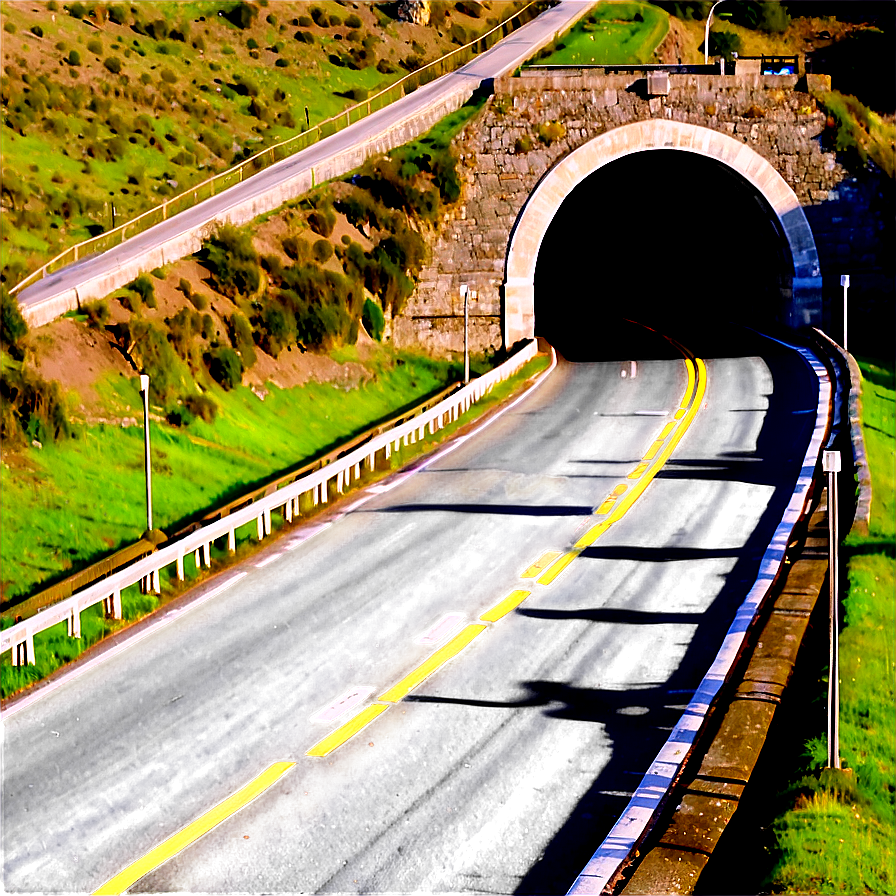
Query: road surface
x,y
503,770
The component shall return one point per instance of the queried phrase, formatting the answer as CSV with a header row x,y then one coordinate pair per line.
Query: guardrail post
x,y
180,567
23,652
74,623
112,605
260,526
196,560
357,470
231,540
207,554
267,522
287,510
156,581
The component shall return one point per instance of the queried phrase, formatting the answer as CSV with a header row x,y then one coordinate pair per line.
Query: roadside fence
x,y
291,500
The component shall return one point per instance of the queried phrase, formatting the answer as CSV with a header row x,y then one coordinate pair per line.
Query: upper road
x,y
506,55
505,768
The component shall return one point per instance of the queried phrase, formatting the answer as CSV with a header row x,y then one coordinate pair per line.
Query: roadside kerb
x,y
854,410
315,487
189,241
621,844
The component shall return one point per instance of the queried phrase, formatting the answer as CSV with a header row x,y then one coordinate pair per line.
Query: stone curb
x,y
710,795
862,517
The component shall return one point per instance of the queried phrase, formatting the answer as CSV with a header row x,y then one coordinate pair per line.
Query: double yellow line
x,y
545,571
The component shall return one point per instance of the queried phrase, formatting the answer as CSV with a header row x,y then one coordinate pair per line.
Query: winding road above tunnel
x,y
98,275
502,770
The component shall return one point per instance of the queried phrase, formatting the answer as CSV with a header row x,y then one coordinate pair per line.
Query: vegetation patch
x,y
614,34
836,836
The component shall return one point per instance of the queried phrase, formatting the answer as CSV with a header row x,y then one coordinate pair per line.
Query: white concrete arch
x,y
571,170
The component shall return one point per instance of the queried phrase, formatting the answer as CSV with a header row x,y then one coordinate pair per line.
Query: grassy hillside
x,y
615,33
836,832
108,108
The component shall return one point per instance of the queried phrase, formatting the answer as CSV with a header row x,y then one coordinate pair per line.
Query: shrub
x,y
240,332
143,286
202,406
113,64
322,251
352,21
252,44
295,248
37,31
373,319
13,328
185,287
724,43
359,93
167,76
74,57
225,366
305,21
458,33
322,220
320,17
233,261
95,46
306,37
31,406
551,131
199,301
97,313
384,67
9,28
283,63
242,15
208,327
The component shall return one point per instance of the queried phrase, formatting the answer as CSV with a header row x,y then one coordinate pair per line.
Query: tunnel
x,y
668,238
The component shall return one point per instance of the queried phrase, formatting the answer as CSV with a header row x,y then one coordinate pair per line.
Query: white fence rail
x,y
20,637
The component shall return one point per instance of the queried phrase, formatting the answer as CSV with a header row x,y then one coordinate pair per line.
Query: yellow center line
x,y
638,472
557,568
593,534
653,450
666,430
428,666
619,490
538,566
607,506
511,602
194,831
691,381
348,730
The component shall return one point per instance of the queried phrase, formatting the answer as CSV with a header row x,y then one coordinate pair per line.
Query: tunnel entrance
x,y
669,238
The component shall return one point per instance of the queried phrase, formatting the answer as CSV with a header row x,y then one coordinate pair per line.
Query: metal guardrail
x,y
279,151
28,607
315,486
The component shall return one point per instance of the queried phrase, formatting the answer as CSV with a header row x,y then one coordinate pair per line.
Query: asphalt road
x,y
505,56
504,770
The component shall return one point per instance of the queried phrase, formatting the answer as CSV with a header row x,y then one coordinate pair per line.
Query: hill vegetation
x,y
109,108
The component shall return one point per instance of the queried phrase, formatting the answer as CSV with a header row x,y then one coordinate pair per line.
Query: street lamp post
x,y
831,466
464,294
706,36
844,282
144,388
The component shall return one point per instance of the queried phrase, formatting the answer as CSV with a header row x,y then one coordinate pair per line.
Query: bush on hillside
x,y
13,328
144,287
373,319
240,332
31,407
225,366
233,262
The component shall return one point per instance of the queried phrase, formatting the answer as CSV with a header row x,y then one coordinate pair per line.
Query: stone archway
x,y
803,299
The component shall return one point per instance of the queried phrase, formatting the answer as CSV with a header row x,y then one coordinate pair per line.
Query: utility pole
x,y
464,294
831,466
144,388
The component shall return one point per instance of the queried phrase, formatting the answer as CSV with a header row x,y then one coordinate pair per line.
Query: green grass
x,y
53,648
614,34
838,838
80,499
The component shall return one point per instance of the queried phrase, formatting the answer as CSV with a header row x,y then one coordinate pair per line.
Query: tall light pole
x,y
706,36
144,388
844,282
464,293
831,466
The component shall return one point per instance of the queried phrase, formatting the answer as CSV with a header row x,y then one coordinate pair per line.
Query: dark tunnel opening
x,y
664,237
